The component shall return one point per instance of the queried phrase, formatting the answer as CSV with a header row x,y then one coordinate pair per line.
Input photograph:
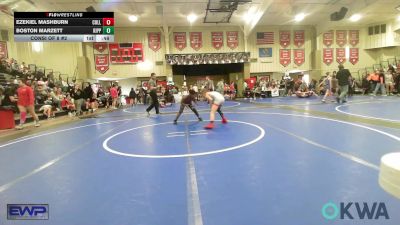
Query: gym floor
x,y
277,161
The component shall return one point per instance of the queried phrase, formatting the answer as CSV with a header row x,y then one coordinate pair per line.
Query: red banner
x,y
180,40
284,38
299,56
126,53
196,40
3,50
327,56
299,38
354,56
101,62
217,39
354,37
100,46
154,40
341,55
328,38
285,57
232,39
341,37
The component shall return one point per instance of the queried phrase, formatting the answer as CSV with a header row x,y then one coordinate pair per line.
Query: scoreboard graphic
x,y
64,26
126,53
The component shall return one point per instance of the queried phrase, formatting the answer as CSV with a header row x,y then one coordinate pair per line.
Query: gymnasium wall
x,y
366,58
60,57
206,36
138,35
272,64
64,57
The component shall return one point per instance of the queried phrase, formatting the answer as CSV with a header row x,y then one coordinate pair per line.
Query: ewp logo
x,y
331,211
27,212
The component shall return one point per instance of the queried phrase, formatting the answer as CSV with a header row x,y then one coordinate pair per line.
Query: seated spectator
x,y
303,91
67,105
47,108
8,97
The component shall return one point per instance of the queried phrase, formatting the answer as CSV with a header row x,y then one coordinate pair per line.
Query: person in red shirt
x,y
26,102
114,96
67,105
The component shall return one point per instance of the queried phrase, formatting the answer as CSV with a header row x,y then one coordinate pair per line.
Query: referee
x,y
152,84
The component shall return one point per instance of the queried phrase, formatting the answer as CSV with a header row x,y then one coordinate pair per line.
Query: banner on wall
x,y
327,56
328,38
180,40
154,40
284,57
265,38
126,53
341,55
3,50
217,39
100,46
232,39
196,40
354,37
299,56
354,55
284,38
341,37
299,38
101,63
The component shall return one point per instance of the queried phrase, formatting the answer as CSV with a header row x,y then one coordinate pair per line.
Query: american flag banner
x,y
265,38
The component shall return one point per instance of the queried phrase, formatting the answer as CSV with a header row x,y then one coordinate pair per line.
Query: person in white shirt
x,y
216,101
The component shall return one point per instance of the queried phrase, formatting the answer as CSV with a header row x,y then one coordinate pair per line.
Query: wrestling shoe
x,y
209,126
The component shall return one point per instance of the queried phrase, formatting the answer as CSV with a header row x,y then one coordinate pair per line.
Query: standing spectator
x,y
132,97
389,81
88,96
233,90
351,85
77,95
380,85
114,96
26,102
343,80
334,84
220,86
209,85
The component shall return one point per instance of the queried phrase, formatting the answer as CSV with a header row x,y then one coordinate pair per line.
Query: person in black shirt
x,y
7,97
77,95
88,96
343,76
153,94
187,101
132,96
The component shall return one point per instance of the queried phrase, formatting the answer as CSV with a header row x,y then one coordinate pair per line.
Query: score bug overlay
x,y
64,27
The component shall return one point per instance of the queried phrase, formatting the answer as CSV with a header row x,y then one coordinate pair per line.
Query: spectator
x,y
77,95
132,97
209,85
67,105
26,102
380,85
114,96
